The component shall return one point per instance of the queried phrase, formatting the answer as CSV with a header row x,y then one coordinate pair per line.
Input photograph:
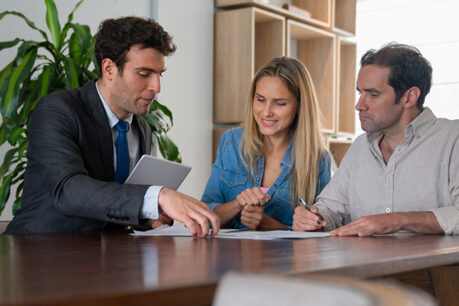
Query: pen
x,y
304,204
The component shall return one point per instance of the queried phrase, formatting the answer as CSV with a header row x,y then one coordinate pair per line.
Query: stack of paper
x,y
179,230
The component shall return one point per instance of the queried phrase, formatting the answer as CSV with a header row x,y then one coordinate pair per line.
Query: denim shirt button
x,y
275,185
281,164
231,183
258,178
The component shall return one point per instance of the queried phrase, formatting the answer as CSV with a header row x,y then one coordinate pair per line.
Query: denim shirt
x,y
230,177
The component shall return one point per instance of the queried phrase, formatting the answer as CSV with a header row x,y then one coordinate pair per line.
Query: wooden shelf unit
x,y
338,148
216,135
244,40
316,49
248,33
321,10
344,16
346,74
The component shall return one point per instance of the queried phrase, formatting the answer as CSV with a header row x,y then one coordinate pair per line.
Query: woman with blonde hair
x,y
277,158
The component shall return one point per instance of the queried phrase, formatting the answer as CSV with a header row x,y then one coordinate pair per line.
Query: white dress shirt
x,y
150,202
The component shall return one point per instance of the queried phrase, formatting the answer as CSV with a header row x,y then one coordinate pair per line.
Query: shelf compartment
x,y
321,10
216,135
344,16
244,40
316,49
338,148
346,86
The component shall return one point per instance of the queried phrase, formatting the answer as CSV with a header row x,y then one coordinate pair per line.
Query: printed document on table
x,y
180,230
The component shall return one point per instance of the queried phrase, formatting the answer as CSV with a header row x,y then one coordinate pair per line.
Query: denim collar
x,y
286,161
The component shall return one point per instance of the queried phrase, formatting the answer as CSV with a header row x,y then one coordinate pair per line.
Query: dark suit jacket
x,y
68,183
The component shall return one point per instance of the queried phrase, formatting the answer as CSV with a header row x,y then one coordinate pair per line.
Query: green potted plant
x,y
65,60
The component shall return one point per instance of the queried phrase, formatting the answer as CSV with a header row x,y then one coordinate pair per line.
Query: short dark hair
x,y
116,36
408,68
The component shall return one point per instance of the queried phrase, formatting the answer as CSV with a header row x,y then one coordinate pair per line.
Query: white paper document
x,y
180,230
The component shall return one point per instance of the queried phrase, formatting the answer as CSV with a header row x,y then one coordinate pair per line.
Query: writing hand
x,y
304,220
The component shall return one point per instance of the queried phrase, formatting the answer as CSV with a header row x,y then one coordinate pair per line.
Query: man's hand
x,y
195,214
251,216
419,222
305,220
252,196
371,225
162,220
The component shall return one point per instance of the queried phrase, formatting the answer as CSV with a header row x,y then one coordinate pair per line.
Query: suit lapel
x,y
142,147
103,131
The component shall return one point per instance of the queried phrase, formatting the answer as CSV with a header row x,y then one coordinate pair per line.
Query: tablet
x,y
156,171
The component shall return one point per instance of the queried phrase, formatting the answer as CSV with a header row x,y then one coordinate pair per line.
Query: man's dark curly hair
x,y
408,68
116,36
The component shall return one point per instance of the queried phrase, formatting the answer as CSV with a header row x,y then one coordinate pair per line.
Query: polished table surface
x,y
113,268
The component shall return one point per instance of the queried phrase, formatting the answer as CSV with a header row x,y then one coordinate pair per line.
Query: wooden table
x,y
119,269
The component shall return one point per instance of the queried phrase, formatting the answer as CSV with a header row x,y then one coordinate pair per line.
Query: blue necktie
x,y
122,152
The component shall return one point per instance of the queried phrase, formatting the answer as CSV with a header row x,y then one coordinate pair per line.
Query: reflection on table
x,y
112,266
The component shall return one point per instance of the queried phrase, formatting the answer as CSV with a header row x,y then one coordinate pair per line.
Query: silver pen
x,y
304,204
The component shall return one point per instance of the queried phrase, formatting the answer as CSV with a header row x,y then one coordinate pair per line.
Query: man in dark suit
x,y
84,141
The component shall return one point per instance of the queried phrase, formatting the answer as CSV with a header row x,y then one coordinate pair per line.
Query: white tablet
x,y
156,171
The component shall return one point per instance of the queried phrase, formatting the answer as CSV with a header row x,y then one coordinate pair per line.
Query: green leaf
x,y
17,204
68,24
7,71
3,132
92,55
5,191
19,75
22,147
70,17
74,47
72,73
20,186
12,121
7,161
153,122
14,135
18,172
89,74
44,81
52,21
5,75
168,148
84,33
9,44
25,47
156,105
29,23
24,114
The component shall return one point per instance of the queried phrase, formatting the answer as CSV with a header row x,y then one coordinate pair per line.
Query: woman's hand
x,y
253,196
251,216
249,197
251,202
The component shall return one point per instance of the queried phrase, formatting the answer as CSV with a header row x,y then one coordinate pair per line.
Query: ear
x,y
410,97
109,69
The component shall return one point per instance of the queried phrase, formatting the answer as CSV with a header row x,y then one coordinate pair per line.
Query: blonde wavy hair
x,y
307,140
